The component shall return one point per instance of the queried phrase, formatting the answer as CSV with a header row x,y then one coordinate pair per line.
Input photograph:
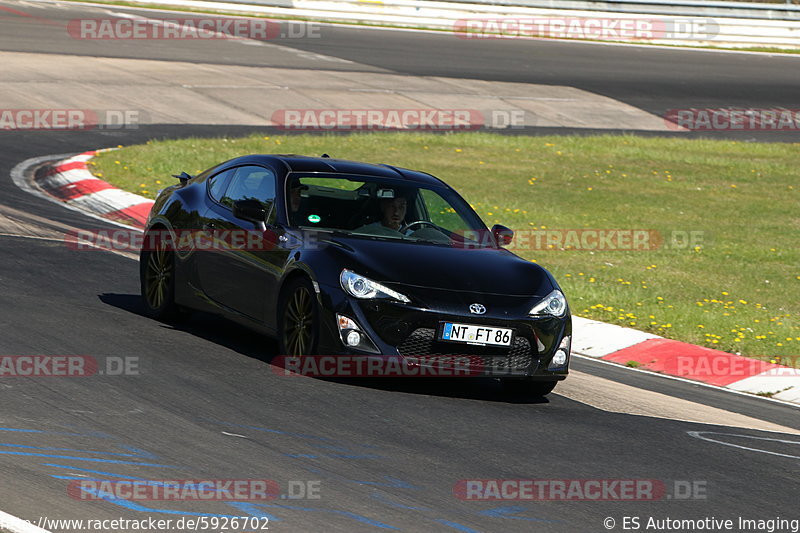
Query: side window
x,y
218,183
251,183
442,213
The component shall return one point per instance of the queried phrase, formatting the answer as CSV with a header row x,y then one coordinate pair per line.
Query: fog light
x,y
561,357
353,338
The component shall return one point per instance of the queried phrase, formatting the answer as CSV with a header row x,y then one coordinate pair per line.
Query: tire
x,y
298,319
157,279
529,387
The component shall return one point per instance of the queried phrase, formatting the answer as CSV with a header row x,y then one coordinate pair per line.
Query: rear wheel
x,y
299,319
157,277
529,387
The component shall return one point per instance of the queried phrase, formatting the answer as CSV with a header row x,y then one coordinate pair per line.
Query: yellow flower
x,y
591,280
458,149
588,188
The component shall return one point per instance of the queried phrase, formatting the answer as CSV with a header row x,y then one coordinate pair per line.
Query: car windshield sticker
x,y
314,219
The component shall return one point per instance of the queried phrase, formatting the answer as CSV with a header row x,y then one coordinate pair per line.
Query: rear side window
x,y
251,183
218,183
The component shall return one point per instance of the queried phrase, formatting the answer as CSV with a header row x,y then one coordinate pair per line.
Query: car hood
x,y
478,270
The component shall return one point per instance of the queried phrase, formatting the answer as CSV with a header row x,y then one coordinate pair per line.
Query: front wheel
x,y
528,387
157,278
298,316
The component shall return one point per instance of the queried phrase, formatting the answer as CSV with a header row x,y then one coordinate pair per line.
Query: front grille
x,y
422,343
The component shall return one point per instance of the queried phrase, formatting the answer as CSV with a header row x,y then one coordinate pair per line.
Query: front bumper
x,y
411,333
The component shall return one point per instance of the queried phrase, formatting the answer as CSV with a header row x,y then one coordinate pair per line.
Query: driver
x,y
393,211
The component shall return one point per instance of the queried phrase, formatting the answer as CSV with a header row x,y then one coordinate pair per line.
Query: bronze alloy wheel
x,y
298,331
158,276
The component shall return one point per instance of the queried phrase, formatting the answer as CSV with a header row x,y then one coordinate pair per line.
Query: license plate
x,y
472,334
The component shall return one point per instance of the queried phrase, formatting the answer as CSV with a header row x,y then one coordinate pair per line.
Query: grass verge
x,y
727,274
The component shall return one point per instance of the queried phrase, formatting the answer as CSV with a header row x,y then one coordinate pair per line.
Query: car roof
x,y
301,163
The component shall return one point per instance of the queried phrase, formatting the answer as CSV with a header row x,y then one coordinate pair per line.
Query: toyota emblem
x,y
477,309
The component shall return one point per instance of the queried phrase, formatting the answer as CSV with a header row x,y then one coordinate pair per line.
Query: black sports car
x,y
340,258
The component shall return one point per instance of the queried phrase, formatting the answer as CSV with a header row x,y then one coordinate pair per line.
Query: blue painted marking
x,y
132,506
139,452
51,449
381,497
99,472
90,459
330,447
17,430
509,511
252,510
455,525
448,329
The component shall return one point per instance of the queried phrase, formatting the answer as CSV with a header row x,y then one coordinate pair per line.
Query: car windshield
x,y
383,209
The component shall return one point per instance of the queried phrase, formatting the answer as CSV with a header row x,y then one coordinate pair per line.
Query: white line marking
x,y
684,380
698,435
18,525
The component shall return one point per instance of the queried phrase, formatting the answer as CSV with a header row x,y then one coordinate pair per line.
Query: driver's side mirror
x,y
250,210
502,235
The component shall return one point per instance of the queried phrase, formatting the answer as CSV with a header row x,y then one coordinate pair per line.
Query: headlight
x,y
366,289
554,304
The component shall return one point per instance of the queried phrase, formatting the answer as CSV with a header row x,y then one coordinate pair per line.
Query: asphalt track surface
x,y
206,403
